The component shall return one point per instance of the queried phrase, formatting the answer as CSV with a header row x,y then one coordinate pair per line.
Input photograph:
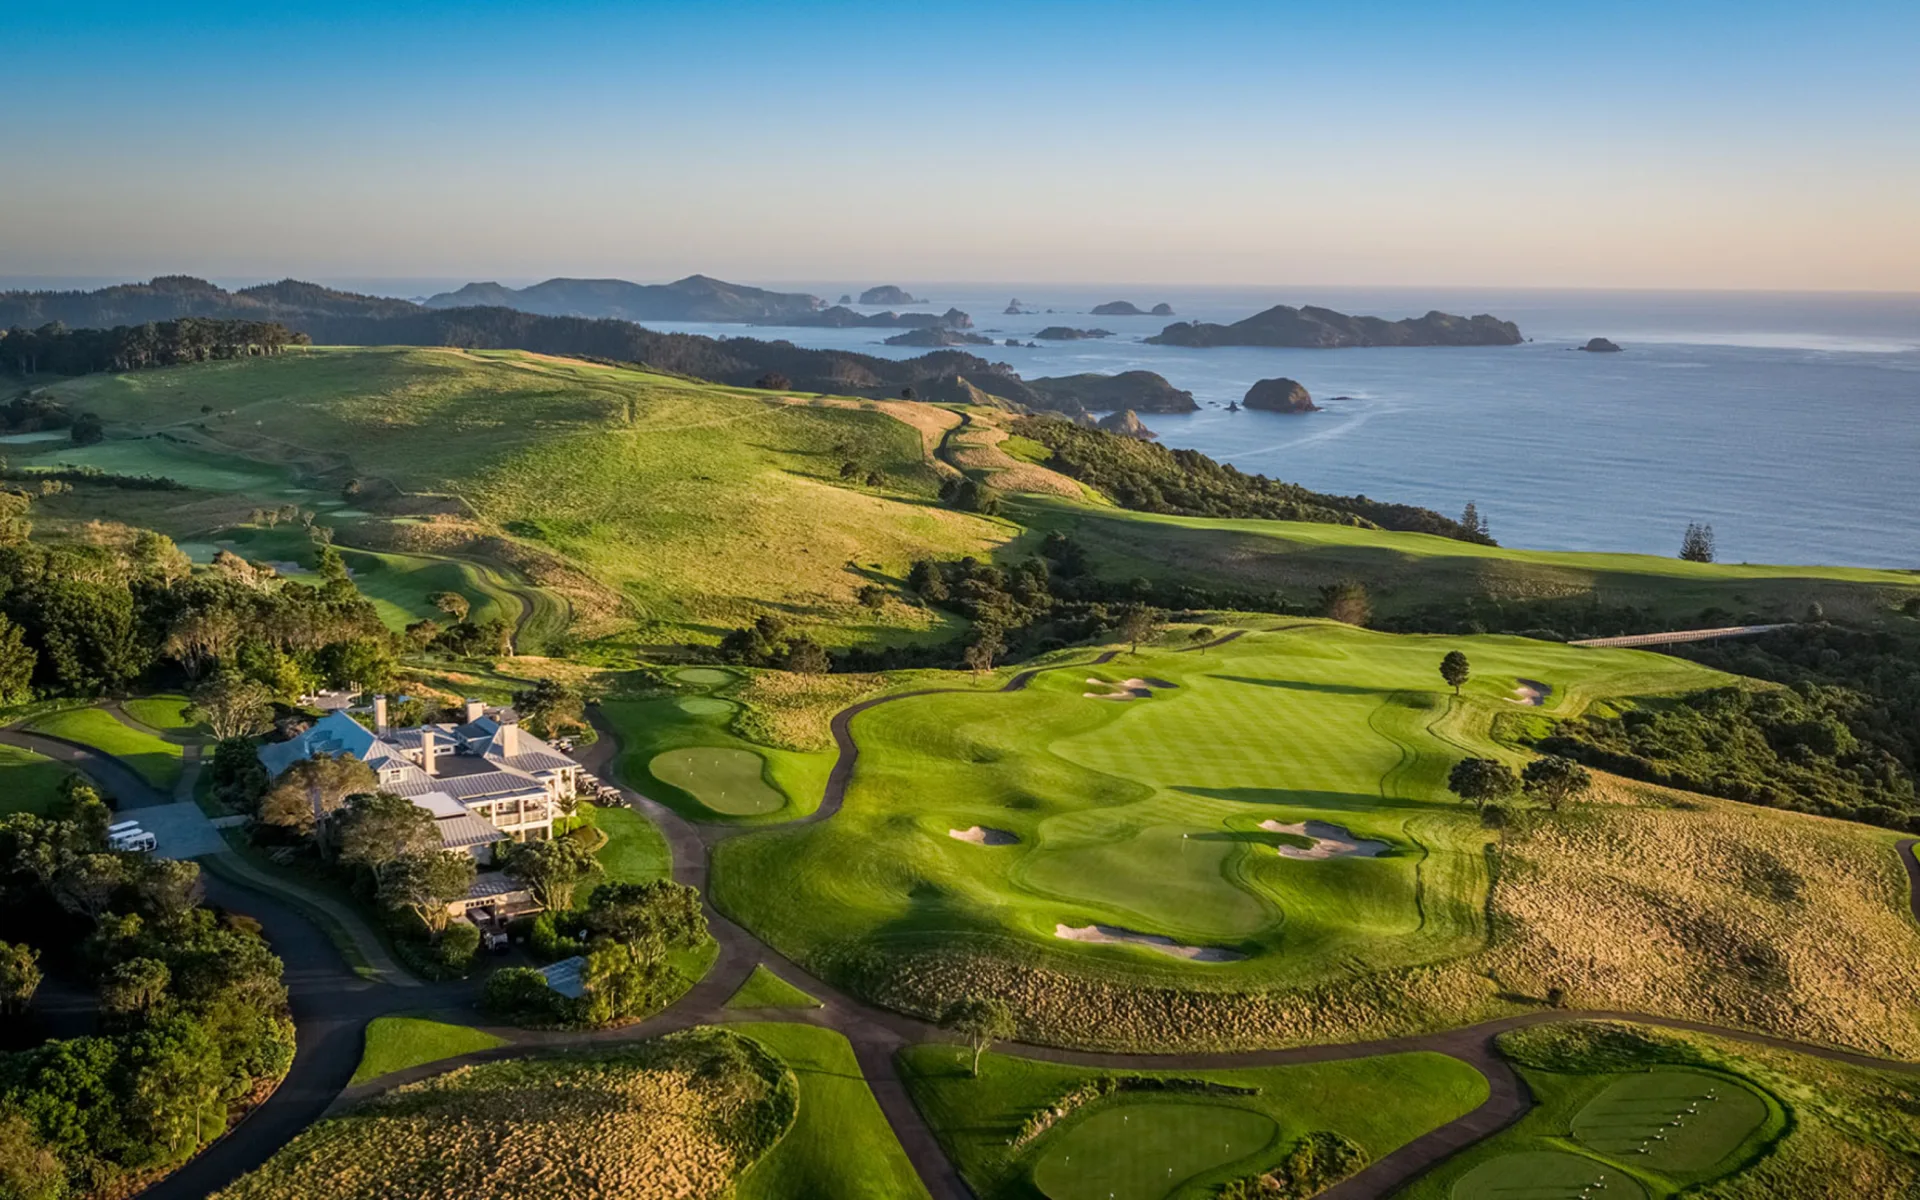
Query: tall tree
x,y
647,918
135,987
1455,669
453,604
233,706
1697,543
551,869
1481,781
17,660
376,828
314,789
982,1020
424,884
1137,623
1553,780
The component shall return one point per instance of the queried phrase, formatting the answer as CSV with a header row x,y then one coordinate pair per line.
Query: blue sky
x,y
1686,145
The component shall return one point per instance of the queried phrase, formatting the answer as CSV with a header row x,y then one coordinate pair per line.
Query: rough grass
x,y
28,782
396,1043
643,1121
703,504
1834,1131
840,1145
1146,815
1408,570
792,711
1380,1103
157,761
764,989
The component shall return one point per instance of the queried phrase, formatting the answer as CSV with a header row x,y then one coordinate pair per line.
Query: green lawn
x,y
635,851
764,989
396,1043
157,761
1411,570
1151,1144
728,780
1157,815
28,782
167,713
840,1145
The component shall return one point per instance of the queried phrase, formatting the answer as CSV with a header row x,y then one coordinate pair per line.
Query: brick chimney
x,y
380,715
429,751
475,710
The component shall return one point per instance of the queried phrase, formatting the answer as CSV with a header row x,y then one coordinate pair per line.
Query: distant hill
x,y
170,297
888,294
842,317
695,298
1141,391
1323,328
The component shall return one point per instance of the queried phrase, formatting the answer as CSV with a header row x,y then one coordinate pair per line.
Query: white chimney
x,y
380,715
508,739
475,710
429,751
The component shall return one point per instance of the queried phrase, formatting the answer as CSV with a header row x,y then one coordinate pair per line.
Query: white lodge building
x,y
485,780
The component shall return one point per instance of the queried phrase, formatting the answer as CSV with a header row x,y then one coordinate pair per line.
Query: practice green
x,y
1545,1175
725,780
1144,1149
1686,1121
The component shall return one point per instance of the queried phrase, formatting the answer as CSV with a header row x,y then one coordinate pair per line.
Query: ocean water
x,y
1789,422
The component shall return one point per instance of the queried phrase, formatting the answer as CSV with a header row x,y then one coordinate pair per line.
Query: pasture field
x,y
1782,1123
840,1144
29,782
703,505
1206,1128
156,760
764,989
1133,892
659,1119
396,1043
1405,571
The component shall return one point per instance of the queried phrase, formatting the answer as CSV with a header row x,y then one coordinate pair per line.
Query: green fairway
x,y
1404,571
1153,1143
396,1043
165,713
660,735
1147,815
28,782
157,761
764,989
727,780
1144,1149
1676,1121
840,1145
1545,1175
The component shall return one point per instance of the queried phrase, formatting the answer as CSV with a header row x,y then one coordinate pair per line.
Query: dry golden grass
x,y
792,712
637,1124
977,448
1665,902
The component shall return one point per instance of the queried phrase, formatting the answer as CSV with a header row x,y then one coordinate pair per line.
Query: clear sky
x,y
1675,144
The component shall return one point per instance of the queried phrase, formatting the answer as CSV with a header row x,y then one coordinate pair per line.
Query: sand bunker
x,y
1113,935
983,836
1126,689
1531,692
1329,841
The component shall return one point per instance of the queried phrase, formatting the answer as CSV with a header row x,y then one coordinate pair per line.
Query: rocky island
x,y
1323,328
1061,333
1143,391
1281,396
1599,345
1127,308
842,317
888,294
938,335
1126,423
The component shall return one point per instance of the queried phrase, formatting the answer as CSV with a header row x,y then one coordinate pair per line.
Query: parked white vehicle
x,y
136,840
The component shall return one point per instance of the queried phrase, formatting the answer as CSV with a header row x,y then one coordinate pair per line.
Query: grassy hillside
x,y
1032,843
1404,571
699,505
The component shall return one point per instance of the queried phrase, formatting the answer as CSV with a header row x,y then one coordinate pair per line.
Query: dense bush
x,y
57,350
1798,748
1151,478
1317,1162
520,995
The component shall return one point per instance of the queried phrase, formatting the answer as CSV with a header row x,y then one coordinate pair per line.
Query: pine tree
x,y
1697,544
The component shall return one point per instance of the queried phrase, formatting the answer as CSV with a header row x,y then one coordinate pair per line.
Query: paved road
x,y
1679,636
332,1006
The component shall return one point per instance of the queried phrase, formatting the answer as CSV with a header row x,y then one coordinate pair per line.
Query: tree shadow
x,y
1301,685
1339,801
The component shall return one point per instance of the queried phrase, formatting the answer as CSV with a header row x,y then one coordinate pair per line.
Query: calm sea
x,y
1791,423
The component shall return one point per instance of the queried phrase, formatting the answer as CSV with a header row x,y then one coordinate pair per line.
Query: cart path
x,y
332,1007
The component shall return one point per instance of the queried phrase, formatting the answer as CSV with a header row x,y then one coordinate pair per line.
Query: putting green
x,y
705,706
725,780
1686,1121
703,676
1145,1149
1546,1175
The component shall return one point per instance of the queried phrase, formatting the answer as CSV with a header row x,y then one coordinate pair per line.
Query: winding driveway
x,y
332,1006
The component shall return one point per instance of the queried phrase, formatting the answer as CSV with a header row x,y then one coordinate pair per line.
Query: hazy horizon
x,y
1630,146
